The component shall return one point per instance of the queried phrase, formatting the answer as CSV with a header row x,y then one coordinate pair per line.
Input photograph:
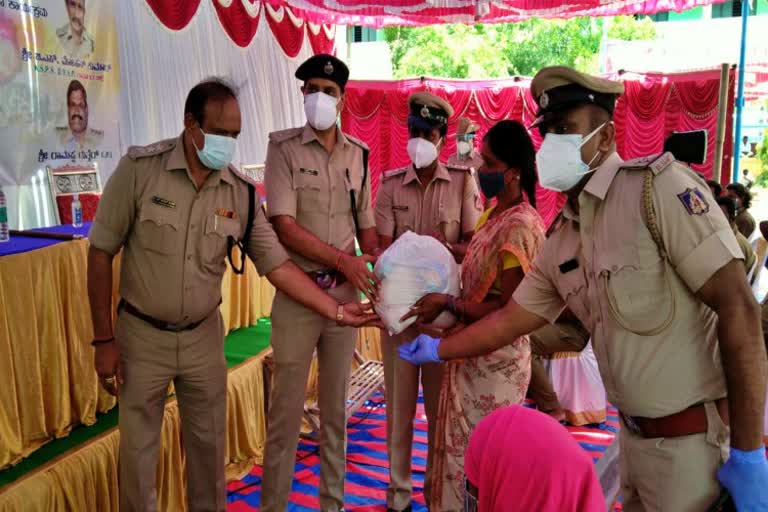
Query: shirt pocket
x,y
449,222
217,230
404,219
309,194
158,229
638,290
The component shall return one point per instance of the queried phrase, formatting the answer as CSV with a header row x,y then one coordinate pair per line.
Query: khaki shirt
x,y
303,181
174,236
746,249
618,262
450,204
71,48
68,141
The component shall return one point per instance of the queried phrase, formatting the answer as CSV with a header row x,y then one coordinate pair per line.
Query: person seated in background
x,y
728,206
746,180
715,187
501,252
521,459
743,197
565,335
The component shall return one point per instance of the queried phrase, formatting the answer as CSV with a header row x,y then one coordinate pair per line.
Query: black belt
x,y
154,322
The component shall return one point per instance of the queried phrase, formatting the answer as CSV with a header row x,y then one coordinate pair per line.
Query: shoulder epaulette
x,y
136,152
460,168
94,131
394,172
357,142
61,31
62,128
241,175
655,163
284,135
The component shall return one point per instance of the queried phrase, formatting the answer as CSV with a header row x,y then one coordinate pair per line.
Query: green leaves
x,y
502,50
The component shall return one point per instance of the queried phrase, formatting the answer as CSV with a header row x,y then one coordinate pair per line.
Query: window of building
x,y
364,34
730,9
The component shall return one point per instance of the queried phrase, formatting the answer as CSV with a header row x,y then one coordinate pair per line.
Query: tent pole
x,y
740,94
722,110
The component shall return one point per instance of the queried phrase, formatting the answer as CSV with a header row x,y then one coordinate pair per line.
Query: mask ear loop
x,y
587,139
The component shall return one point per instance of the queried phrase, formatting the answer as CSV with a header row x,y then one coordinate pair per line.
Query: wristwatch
x,y
340,314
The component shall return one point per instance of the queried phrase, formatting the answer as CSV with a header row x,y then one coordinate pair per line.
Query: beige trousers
x,y
194,361
673,474
550,339
401,381
296,333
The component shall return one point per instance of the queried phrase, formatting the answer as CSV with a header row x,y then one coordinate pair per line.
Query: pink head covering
x,y
521,459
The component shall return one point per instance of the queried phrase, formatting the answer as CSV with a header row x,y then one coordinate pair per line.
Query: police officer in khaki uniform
x,y
73,38
466,156
648,263
76,134
319,200
428,199
172,207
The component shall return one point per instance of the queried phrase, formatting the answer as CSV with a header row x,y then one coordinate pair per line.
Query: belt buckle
x,y
325,279
632,425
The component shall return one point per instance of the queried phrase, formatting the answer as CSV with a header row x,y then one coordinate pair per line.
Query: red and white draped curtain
x,y
240,20
379,13
653,107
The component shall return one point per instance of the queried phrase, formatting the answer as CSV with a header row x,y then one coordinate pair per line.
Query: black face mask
x,y
491,183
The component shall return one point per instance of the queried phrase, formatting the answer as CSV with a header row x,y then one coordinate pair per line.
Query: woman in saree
x,y
506,241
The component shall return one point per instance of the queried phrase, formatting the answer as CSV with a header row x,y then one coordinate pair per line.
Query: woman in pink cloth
x,y
521,459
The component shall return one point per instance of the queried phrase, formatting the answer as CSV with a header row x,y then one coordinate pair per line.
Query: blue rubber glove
x,y
421,350
745,475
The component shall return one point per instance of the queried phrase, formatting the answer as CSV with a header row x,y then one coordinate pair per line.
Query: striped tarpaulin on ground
x,y
367,468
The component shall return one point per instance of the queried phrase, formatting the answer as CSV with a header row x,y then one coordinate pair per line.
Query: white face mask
x,y
559,160
320,109
422,152
463,147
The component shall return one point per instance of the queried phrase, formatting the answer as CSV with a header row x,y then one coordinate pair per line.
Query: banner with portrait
x,y
59,97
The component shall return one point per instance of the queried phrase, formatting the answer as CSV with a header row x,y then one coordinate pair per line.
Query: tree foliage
x,y
501,50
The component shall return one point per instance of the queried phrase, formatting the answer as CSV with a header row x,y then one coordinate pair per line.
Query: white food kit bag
x,y
412,267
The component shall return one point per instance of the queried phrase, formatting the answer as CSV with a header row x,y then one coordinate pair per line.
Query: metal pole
x,y
740,93
722,111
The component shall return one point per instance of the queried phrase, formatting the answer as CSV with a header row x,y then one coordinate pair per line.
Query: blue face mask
x,y
491,183
217,151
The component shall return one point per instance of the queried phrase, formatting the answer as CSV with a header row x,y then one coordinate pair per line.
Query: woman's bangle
x,y
102,341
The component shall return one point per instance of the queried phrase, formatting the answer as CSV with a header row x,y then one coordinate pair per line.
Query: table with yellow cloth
x,y
49,386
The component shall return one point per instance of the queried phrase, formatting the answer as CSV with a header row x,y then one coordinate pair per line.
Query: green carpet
x,y
239,346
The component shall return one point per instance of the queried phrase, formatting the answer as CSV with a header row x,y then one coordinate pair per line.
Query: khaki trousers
x,y
296,333
673,474
194,361
401,381
550,339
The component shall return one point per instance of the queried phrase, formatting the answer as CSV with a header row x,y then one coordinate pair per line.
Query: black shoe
x,y
406,509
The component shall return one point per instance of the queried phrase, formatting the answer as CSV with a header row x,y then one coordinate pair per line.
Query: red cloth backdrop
x,y
240,20
379,13
654,107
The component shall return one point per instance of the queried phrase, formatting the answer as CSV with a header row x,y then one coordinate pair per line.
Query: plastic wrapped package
x,y
412,267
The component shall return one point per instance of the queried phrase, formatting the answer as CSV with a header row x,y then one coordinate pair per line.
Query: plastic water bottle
x,y
4,234
77,211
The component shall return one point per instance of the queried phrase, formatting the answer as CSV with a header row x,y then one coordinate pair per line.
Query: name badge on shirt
x,y
568,266
311,172
165,203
